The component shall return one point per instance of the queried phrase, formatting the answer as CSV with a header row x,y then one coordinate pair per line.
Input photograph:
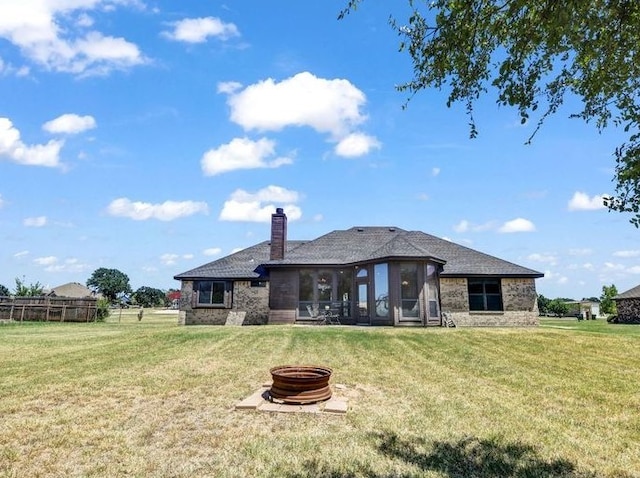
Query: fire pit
x,y
300,384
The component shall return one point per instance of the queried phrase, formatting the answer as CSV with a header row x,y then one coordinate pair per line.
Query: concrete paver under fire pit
x,y
260,400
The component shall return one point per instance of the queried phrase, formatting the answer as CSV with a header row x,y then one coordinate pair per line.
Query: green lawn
x,y
151,398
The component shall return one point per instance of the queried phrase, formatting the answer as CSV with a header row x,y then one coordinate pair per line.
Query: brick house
x,y
366,275
628,306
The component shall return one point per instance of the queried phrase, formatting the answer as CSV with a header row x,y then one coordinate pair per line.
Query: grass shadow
x,y
476,457
469,457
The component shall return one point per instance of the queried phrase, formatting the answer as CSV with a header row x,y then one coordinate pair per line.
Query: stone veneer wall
x,y
519,300
628,311
254,301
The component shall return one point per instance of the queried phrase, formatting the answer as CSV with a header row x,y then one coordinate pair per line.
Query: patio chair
x,y
316,316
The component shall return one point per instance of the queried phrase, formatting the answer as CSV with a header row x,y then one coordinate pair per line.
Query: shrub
x,y
102,309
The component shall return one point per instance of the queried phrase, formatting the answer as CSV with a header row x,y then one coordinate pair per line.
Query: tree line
x,y
112,284
560,306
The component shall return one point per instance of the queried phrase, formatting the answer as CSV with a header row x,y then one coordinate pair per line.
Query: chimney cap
x,y
279,210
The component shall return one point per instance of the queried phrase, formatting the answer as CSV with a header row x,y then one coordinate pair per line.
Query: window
x,y
325,288
213,293
409,289
258,283
432,291
485,294
381,273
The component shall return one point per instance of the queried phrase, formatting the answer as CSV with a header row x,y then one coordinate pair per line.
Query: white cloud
x,y
611,266
241,153
356,144
582,202
166,211
56,35
259,206
466,226
327,106
2,201
212,251
197,30
634,270
8,69
21,254
422,197
435,172
70,124
580,252
555,277
170,259
46,261
229,87
39,221
632,253
517,225
53,264
12,147
462,226
544,258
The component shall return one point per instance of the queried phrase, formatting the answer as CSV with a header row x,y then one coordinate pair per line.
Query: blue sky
x,y
155,136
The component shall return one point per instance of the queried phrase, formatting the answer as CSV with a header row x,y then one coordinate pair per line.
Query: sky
x,y
155,136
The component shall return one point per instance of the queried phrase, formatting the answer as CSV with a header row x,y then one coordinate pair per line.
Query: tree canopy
x,y
535,54
109,282
4,291
149,296
24,290
607,304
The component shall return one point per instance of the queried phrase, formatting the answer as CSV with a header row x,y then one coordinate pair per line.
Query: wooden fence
x,y
48,309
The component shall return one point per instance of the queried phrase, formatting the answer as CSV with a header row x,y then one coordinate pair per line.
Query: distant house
x,y
584,309
628,306
174,298
366,275
72,289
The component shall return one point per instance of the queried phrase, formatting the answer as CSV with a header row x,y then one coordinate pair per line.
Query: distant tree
x,y
110,283
24,290
558,307
607,304
102,309
149,297
543,304
4,291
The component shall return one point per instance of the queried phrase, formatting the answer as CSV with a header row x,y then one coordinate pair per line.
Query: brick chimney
x,y
278,234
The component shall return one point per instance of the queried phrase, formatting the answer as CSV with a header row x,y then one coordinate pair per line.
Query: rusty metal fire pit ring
x,y
300,384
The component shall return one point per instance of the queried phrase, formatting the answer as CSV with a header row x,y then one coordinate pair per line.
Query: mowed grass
x,y
151,398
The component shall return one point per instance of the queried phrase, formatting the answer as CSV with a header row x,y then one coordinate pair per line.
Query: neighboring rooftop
x,y
71,289
629,294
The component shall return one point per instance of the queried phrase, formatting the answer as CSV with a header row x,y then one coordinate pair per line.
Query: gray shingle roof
x,y
240,265
360,245
629,294
365,244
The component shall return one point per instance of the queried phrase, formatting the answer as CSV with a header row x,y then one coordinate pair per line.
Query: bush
x,y
102,309
612,319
